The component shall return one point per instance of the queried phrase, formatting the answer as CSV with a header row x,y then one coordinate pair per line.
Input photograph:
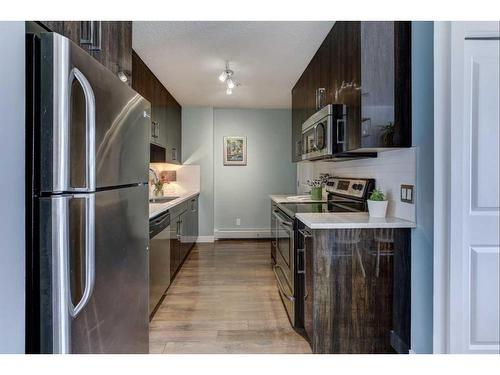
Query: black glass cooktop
x,y
336,206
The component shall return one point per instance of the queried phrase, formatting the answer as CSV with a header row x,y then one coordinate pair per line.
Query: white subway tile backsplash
x,y
390,170
188,178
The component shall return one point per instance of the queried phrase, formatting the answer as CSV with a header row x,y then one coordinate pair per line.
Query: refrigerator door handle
x,y
89,256
61,330
89,129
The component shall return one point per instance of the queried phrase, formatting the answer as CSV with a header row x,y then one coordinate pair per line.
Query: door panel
x,y
115,320
185,240
175,247
159,266
121,129
474,237
308,287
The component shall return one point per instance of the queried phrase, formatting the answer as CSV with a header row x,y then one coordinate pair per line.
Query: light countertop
x,y
340,220
157,208
305,198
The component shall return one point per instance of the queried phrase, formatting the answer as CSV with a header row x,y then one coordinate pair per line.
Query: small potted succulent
x,y
377,203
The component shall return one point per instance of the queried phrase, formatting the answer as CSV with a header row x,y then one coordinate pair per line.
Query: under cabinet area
x,y
356,289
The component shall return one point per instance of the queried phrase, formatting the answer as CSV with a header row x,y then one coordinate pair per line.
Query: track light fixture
x,y
227,77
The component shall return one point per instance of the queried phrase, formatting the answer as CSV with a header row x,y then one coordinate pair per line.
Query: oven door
x,y
284,267
274,234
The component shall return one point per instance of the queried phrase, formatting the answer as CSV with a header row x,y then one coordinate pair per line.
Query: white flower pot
x,y
377,208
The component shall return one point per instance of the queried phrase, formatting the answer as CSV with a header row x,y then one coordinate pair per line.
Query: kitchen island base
x,y
356,289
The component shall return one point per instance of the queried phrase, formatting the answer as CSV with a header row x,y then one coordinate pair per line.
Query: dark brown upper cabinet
x,y
385,85
367,67
115,50
166,128
345,75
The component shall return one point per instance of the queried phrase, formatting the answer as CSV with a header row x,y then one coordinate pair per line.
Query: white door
x,y
474,262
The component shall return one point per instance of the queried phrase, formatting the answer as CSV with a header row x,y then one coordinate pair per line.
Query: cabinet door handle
x,y
91,34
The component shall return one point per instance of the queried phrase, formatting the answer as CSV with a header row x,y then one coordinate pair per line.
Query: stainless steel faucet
x,y
154,174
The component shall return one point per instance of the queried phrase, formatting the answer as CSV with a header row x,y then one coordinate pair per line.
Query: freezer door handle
x,y
89,256
89,130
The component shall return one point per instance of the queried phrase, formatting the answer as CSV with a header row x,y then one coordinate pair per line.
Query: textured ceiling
x,y
267,59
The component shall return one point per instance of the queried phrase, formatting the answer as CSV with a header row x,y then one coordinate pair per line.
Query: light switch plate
x,y
407,193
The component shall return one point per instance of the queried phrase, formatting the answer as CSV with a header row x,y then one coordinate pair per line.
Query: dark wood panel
x,y
402,90
401,322
296,139
156,154
351,288
349,63
308,288
142,77
166,111
345,75
116,42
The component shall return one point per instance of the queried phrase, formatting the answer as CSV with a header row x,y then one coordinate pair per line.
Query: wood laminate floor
x,y
224,300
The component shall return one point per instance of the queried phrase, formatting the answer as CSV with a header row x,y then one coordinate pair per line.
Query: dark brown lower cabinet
x,y
183,233
185,244
350,290
308,287
175,248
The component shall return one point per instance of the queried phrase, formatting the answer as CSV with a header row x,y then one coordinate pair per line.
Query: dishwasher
x,y
159,259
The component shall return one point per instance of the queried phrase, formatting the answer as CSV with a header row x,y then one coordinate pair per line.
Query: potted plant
x,y
387,133
316,186
158,188
377,203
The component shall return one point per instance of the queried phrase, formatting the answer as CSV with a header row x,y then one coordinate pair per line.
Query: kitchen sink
x,y
162,199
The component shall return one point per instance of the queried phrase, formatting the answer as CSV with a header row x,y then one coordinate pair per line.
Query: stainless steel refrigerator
x,y
87,251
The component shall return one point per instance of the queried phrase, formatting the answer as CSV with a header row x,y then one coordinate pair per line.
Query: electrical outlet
x,y
238,221
407,193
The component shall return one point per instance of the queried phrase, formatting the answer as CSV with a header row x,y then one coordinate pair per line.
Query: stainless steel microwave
x,y
324,133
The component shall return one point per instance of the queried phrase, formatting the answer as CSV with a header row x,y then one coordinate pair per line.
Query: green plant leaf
x,y
377,195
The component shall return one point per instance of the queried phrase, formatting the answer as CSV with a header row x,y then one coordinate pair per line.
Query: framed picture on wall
x,y
235,150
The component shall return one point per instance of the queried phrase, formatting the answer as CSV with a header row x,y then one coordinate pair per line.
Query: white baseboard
x,y
203,239
412,351
242,233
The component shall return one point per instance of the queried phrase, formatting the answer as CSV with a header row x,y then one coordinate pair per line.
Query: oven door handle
x,y
281,219
280,286
305,233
